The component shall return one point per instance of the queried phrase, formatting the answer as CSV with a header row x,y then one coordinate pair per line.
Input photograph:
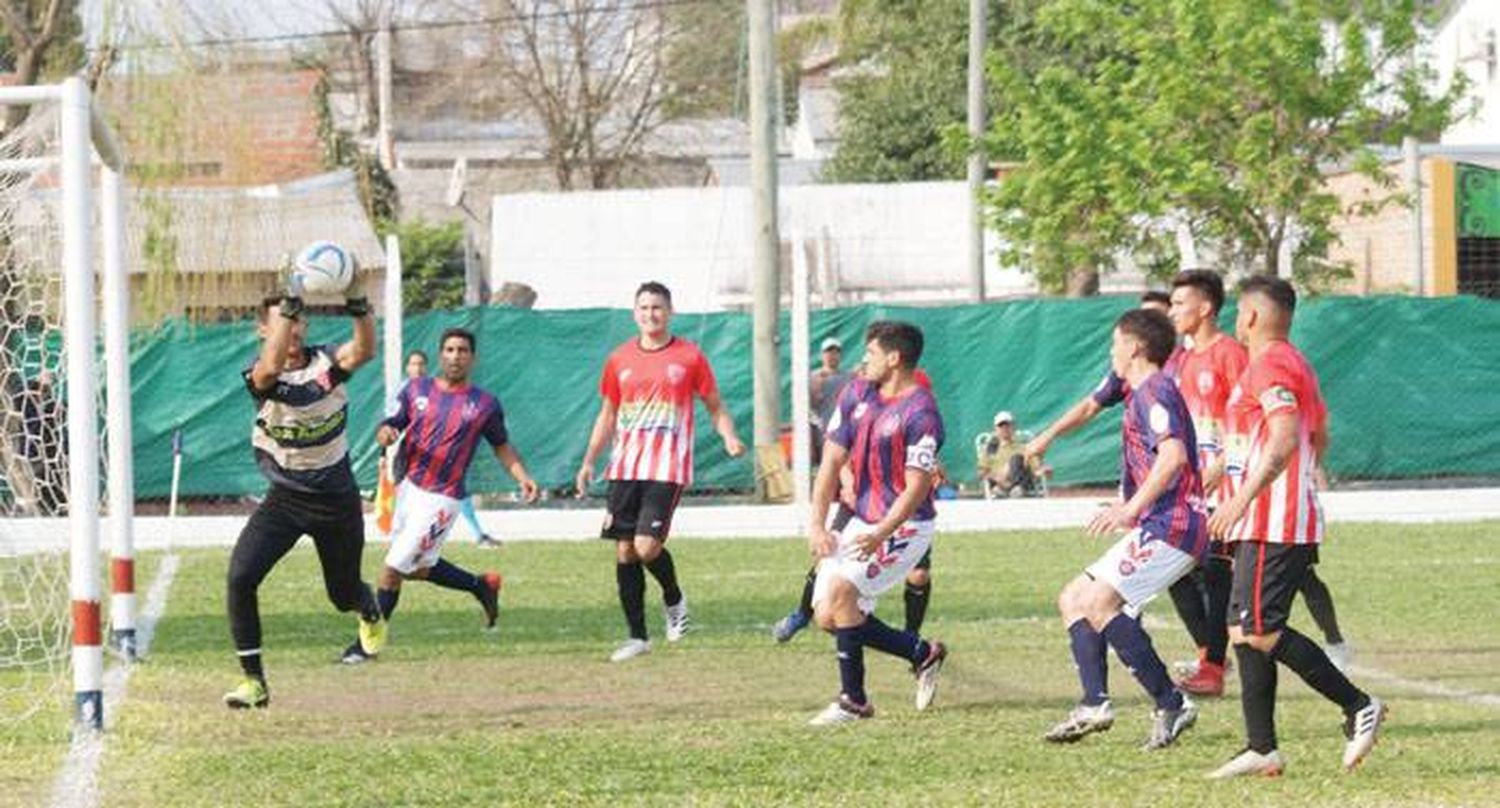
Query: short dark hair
x,y
462,333
902,338
1154,331
423,354
1272,288
655,288
264,312
1208,283
1153,296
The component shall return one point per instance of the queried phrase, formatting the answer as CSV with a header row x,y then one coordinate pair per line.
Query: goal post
x,y
57,206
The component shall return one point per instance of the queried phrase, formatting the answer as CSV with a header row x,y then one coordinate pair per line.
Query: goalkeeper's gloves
x,y
291,295
356,303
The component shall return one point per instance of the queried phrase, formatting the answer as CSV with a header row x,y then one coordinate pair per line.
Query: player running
x,y
442,421
648,386
887,428
918,591
1162,510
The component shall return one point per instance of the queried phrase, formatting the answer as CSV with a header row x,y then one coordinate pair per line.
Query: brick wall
x,y
1378,247
220,129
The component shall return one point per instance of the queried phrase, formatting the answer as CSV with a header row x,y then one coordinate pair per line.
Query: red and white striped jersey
x,y
1279,382
653,396
1206,378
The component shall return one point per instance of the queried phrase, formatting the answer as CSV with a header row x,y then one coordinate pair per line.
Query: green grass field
x,y
452,716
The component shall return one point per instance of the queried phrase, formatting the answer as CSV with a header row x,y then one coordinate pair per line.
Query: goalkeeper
x,y
299,444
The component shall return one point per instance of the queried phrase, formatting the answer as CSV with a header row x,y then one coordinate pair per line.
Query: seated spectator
x,y
1003,469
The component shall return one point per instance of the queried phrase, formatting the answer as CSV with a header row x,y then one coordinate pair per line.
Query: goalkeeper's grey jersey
x,y
299,428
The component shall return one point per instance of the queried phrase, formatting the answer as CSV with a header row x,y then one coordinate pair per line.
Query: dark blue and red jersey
x,y
442,428
1156,412
1111,391
885,437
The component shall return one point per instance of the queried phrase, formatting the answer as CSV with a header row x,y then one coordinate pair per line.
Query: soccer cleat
x,y
372,635
1341,654
1083,719
842,711
630,650
487,542
355,655
1186,668
249,693
927,673
1208,680
489,597
678,622
1166,725
787,627
1361,728
1251,763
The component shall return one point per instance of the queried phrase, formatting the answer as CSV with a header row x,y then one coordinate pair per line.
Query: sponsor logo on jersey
x,y
1160,419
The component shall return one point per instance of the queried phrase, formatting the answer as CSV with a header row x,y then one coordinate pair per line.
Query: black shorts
x,y
1267,577
639,508
844,514
1221,549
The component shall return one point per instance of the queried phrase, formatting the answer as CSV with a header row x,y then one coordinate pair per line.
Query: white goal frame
x,y
85,136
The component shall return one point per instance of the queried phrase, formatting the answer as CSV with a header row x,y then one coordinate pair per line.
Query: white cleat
x,y
1083,719
630,650
1362,729
1341,654
841,711
678,622
1251,763
927,674
1167,725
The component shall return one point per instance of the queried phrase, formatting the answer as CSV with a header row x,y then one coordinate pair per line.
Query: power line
x,y
644,5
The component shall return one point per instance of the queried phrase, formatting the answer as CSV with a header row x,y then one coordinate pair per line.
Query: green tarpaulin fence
x,y
1413,385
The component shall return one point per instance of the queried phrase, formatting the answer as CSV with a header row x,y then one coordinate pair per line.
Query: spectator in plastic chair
x,y
1003,467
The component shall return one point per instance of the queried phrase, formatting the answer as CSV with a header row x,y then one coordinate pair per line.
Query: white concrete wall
x,y
1468,40
900,242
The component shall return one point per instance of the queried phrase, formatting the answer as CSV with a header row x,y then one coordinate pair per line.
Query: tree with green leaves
x,y
432,264
903,67
1224,113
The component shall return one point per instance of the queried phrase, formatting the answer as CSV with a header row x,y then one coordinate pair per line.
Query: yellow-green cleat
x,y
250,693
372,636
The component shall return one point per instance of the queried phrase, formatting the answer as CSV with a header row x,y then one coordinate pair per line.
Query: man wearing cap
x,y
1002,464
823,391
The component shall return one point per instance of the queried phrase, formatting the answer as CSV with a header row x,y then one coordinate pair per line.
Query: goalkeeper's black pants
x,y
336,524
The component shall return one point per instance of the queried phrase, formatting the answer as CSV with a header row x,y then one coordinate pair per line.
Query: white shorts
x,y
1140,568
879,571
418,527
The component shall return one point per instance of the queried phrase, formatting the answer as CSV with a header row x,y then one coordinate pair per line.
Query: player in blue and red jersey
x,y
1162,510
886,428
443,419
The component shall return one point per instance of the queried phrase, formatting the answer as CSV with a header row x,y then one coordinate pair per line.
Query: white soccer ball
x,y
324,268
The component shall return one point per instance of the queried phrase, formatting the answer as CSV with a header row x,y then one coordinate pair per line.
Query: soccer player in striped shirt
x,y
1206,371
301,449
443,420
1164,518
648,387
1277,428
889,432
